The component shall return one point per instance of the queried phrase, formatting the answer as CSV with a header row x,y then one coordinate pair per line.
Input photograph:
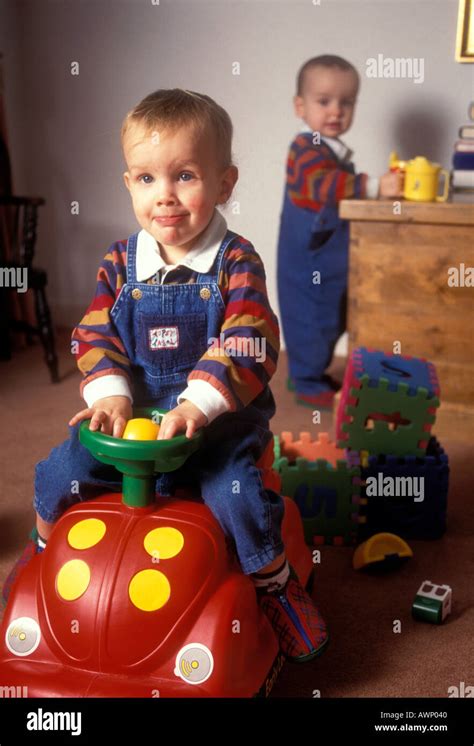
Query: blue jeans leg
x,y
231,486
71,474
313,315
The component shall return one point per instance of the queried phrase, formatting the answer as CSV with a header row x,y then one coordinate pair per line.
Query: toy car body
x,y
141,602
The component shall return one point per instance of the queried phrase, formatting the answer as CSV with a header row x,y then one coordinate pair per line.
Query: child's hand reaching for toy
x,y
391,184
108,415
185,418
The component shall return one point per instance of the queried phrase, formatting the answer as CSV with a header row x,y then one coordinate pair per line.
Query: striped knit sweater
x,y
239,378
315,177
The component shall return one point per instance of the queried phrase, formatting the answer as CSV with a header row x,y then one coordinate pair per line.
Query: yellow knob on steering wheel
x,y
141,428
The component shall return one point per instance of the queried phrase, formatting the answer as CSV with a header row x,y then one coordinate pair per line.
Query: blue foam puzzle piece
x,y
401,515
396,369
316,500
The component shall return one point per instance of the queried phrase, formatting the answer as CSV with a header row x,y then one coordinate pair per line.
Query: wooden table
x,y
398,290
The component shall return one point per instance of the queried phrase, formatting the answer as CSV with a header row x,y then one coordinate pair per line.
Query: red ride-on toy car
x,y
137,595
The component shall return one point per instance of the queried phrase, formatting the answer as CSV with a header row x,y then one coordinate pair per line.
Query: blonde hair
x,y
168,109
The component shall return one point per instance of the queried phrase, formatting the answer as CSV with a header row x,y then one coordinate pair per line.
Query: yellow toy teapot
x,y
421,179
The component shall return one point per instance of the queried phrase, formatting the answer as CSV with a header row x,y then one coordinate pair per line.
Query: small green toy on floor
x,y
432,602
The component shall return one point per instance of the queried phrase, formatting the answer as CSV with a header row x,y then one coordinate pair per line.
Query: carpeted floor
x,y
366,657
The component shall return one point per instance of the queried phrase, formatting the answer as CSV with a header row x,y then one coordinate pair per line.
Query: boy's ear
x,y
228,183
126,178
299,107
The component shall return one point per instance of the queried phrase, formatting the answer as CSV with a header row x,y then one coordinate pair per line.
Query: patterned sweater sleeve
x,y
315,178
98,349
242,361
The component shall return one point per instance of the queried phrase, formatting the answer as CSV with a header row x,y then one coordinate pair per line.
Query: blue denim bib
x,y
311,240
166,329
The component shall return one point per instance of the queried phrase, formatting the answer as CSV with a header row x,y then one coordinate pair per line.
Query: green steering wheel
x,y
140,460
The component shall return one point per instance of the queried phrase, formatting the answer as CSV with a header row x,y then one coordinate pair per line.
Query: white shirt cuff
x,y
372,187
206,398
110,385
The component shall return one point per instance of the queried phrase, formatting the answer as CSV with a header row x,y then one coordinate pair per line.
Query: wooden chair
x,y
19,218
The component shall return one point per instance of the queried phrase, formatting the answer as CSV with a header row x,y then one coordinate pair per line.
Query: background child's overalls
x,y
313,315
165,330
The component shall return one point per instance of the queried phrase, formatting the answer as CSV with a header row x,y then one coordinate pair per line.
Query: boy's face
x,y
328,100
175,182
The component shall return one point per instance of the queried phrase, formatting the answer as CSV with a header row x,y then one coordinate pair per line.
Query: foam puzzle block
x,y
388,403
326,490
403,514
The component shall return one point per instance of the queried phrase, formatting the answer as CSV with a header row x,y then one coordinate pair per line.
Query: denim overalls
x,y
313,315
165,330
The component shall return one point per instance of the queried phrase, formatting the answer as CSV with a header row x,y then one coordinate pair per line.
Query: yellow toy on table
x,y
421,178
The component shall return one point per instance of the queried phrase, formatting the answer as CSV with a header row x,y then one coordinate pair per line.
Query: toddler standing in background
x,y
313,241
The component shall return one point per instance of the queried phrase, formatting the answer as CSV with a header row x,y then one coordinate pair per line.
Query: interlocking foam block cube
x,y
326,490
388,403
401,514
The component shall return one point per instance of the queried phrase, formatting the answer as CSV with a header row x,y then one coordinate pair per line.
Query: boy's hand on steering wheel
x,y
108,415
185,418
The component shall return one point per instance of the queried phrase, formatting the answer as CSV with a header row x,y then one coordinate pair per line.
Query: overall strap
x,y
132,258
213,274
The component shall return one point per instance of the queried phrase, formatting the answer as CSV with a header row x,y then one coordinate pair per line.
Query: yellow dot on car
x,y
73,579
164,542
86,534
149,590
141,428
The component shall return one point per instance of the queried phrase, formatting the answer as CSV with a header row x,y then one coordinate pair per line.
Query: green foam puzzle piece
x,y
343,479
402,441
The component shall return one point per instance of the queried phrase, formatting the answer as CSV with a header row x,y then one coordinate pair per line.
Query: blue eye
x,y
185,174
145,179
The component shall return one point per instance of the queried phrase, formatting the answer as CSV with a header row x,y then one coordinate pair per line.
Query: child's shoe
x,y
323,400
298,625
29,552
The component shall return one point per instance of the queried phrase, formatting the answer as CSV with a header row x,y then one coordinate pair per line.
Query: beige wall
x,y
64,130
